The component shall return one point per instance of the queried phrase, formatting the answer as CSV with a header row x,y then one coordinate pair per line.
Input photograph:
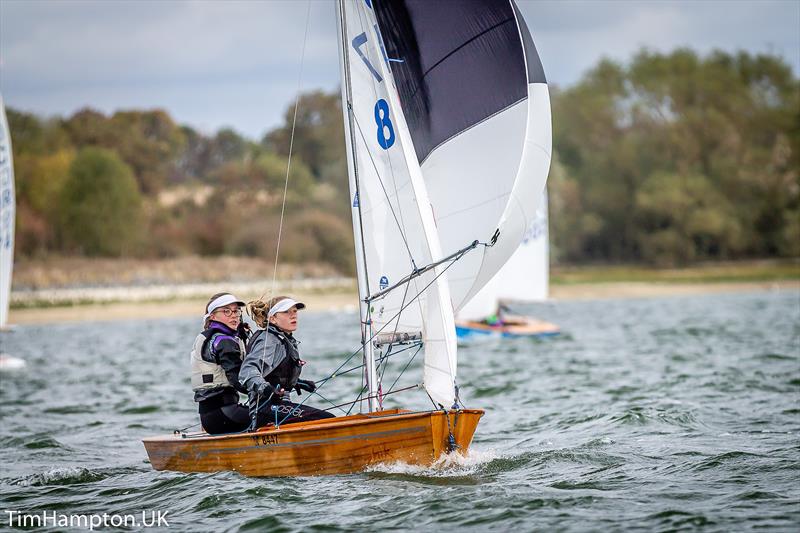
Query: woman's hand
x,y
265,389
305,385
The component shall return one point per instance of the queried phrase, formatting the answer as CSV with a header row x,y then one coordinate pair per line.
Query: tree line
x,y
670,159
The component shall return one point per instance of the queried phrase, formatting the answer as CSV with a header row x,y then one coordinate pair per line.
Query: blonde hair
x,y
259,310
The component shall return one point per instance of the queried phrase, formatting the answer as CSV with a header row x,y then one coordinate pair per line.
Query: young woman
x,y
272,366
216,360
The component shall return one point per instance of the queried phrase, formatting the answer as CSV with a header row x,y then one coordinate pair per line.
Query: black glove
x,y
305,385
243,331
265,389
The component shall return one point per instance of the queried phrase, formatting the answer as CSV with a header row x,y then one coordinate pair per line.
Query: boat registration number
x,y
264,440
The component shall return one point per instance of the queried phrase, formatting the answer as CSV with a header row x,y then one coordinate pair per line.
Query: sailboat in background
x,y
7,216
7,222
447,125
523,279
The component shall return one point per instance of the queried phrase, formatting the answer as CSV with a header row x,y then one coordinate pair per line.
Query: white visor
x,y
222,301
285,305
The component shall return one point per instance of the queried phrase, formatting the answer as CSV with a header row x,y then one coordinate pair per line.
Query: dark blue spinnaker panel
x,y
462,62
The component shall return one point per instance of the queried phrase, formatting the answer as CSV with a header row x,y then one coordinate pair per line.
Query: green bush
x,y
100,205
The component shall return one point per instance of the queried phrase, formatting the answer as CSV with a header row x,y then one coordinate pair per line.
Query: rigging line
x,y
360,397
394,333
351,369
291,146
386,194
404,369
455,256
332,406
435,278
352,403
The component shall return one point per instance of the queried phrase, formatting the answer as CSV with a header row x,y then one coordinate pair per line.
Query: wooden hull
x,y
331,446
516,326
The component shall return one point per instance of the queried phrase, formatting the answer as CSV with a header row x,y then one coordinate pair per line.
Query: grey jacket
x,y
273,357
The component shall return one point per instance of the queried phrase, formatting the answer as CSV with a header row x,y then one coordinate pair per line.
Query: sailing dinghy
x,y
419,78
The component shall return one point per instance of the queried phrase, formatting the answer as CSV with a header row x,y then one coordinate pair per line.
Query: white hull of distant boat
x,y
11,363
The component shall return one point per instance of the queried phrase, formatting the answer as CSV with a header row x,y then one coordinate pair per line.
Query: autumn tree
x,y
100,205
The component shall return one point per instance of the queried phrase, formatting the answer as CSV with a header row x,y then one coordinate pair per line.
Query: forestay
x,y
7,214
475,96
392,218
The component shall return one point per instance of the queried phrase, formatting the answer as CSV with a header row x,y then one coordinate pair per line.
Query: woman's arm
x,y
229,358
260,360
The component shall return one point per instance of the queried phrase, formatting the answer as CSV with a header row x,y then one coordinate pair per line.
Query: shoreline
x,y
342,297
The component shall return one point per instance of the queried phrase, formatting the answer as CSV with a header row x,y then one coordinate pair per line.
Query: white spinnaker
x,y
392,217
524,277
490,177
7,215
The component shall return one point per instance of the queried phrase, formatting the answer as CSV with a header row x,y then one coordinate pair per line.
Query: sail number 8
x,y
384,123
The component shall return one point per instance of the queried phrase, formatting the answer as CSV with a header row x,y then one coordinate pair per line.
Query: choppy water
x,y
651,414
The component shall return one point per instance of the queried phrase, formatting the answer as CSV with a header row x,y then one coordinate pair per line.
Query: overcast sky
x,y
213,64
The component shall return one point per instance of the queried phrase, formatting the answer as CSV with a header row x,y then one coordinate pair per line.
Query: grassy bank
x,y
732,272
75,273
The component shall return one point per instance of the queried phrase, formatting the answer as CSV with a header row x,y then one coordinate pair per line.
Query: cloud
x,y
236,63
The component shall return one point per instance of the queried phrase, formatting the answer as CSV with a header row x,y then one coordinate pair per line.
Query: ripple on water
x,y
66,476
32,442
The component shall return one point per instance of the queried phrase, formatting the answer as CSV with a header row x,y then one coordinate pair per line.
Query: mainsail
x,y
393,223
7,214
475,96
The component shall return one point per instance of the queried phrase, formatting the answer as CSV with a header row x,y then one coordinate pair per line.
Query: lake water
x,y
650,414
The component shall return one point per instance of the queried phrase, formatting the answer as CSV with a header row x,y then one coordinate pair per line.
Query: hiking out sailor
x,y
272,366
216,359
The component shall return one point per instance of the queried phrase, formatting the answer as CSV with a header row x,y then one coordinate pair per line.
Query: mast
x,y
358,230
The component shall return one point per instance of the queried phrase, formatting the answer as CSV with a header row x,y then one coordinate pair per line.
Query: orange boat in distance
x,y
329,446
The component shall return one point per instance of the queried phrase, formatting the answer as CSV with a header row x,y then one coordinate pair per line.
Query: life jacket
x,y
287,372
208,374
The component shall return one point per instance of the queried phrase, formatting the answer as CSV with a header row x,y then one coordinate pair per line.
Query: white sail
x,y
474,88
7,215
524,278
392,219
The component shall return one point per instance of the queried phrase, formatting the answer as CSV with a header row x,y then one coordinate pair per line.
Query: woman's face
x,y
230,315
287,320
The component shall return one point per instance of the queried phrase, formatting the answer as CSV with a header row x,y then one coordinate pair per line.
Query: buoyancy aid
x,y
287,372
209,374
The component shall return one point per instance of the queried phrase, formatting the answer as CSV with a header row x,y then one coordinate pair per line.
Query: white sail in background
x,y
524,278
476,99
7,215
392,218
